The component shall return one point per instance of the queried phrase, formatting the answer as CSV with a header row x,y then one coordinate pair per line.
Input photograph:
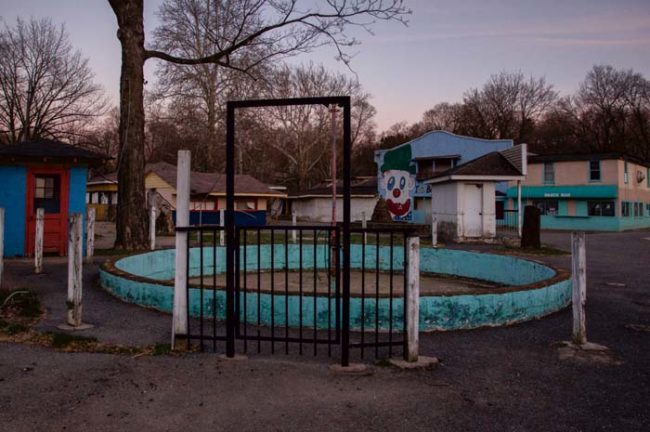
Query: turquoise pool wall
x,y
144,279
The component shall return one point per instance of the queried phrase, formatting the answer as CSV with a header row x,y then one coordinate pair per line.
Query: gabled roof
x,y
212,183
200,183
360,187
490,165
45,150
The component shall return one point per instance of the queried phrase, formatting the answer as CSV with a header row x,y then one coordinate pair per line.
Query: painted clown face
x,y
398,185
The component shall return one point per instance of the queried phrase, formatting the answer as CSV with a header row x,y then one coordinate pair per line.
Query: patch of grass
x,y
161,349
113,252
545,250
20,302
383,363
64,340
13,329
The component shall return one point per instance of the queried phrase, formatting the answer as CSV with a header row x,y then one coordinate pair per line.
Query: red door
x,y
47,188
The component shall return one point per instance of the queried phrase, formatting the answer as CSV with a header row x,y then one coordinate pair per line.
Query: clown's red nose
x,y
396,193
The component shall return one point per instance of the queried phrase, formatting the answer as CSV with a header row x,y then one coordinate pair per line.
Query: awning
x,y
566,192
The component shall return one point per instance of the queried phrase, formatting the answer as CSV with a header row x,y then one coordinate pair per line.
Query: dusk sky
x,y
448,46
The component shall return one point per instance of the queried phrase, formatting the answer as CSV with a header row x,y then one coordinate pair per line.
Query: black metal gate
x,y
290,285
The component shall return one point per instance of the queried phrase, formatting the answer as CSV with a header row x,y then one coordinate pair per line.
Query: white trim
x,y
495,178
330,196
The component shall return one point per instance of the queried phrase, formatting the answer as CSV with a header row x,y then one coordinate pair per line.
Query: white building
x,y
315,204
463,197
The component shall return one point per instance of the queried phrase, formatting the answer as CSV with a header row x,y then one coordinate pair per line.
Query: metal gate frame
x,y
231,235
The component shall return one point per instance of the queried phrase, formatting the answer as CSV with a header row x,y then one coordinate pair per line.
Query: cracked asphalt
x,y
491,379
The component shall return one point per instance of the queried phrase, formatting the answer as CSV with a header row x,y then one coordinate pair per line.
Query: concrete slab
x,y
423,362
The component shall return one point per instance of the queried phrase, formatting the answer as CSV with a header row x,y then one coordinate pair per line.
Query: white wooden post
x,y
520,210
222,223
413,299
2,242
75,271
434,231
90,234
182,220
38,240
579,281
364,225
152,227
294,218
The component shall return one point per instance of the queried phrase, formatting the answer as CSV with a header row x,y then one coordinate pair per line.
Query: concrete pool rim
x,y
504,305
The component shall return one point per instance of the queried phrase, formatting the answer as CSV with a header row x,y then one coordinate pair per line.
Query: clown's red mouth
x,y
398,209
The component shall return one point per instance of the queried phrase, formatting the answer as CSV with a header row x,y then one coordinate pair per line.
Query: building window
x,y
549,173
547,207
46,193
594,170
636,209
625,174
625,209
601,208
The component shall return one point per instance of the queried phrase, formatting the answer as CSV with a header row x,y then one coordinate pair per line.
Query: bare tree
x,y
286,26
46,88
300,134
507,106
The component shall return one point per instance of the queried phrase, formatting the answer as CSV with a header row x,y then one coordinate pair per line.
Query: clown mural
x,y
398,183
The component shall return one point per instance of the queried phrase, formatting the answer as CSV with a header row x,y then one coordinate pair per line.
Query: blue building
x,y
401,171
43,174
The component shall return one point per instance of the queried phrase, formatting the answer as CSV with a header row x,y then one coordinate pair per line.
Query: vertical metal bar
x,y
315,288
347,147
300,292
363,292
230,228
187,291
377,294
329,290
237,284
272,292
405,297
286,291
245,247
201,286
390,299
337,281
259,289
214,290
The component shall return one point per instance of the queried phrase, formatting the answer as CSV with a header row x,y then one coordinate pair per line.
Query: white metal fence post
x,y
222,223
75,271
2,242
520,210
434,231
90,234
294,221
579,281
413,298
182,220
152,228
38,240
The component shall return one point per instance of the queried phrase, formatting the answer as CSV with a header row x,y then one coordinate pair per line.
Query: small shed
x,y
315,204
463,198
46,174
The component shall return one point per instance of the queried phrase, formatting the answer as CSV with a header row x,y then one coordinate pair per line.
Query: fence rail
x,y
288,296
508,223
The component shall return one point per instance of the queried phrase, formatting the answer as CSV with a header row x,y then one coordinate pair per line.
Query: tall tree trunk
x,y
131,210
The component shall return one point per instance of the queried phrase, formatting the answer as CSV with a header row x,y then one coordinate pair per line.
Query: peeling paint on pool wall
x,y
532,289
